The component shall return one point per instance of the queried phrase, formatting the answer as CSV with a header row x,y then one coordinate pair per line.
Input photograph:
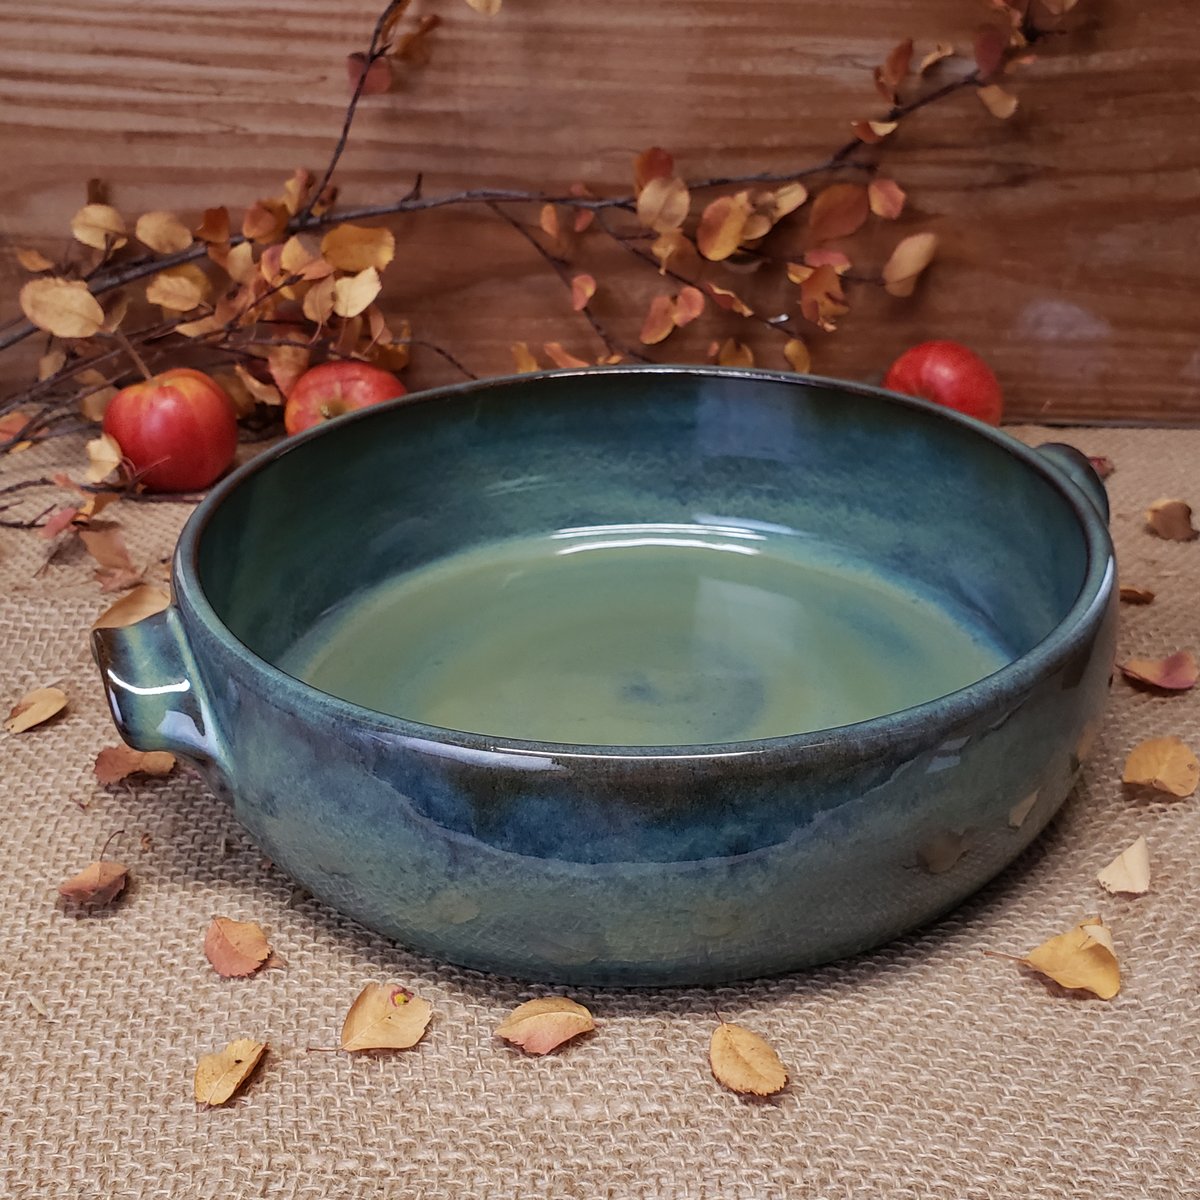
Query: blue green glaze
x,y
642,864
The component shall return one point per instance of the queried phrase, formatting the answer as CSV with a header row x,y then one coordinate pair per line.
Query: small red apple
x,y
950,374
177,429
334,388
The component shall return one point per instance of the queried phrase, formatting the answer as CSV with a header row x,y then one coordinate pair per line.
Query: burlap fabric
x,y
925,1070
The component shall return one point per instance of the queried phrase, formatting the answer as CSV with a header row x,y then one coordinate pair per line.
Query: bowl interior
x,y
765,556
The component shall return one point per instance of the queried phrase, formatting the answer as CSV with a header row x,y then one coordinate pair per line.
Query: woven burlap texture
x,y
925,1070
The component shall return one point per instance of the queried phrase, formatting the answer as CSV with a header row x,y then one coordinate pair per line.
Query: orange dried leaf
x,y
220,1075
295,189
287,364
799,359
176,289
940,51
265,220
1082,959
671,246
997,101
1130,594
733,353
819,257
142,602
722,227
379,74
385,1016
34,260
886,198
63,307
99,226
1175,673
539,1026
659,322
214,226
235,948
1172,520
663,204
787,199
873,131
910,257
583,219
1129,872
163,232
98,883
548,221
689,305
838,211
583,288
35,708
115,763
561,358
895,66
654,163
523,358
744,1062
1164,764
353,294
726,299
991,43
822,299
357,247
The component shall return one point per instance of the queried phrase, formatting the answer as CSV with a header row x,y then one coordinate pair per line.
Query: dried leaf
x,y
991,44
886,198
176,289
583,288
733,353
12,423
1129,872
287,364
820,257
873,131
115,763
295,190
689,305
822,299
413,46
219,1076
385,1016
35,708
318,301
548,221
787,199
560,357
1083,959
104,457
799,359
379,74
237,260
265,220
659,322
115,308
214,226
235,948
895,66
1164,764
489,8
99,226
523,358
722,227
63,307
539,1026
353,294
34,260
98,883
357,247
1130,594
744,1062
997,101
910,257
142,602
663,204
1175,673
50,363
164,232
58,521
941,50
107,547
654,163
838,211
1172,520
263,393
728,300
670,248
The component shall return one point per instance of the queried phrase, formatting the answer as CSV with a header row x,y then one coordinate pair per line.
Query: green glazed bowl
x,y
832,660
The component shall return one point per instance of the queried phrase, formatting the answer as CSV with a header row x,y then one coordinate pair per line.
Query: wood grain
x,y
1068,232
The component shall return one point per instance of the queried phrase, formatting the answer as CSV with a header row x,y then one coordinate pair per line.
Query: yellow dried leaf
x,y
115,308
220,1075
104,457
886,198
34,260
1165,764
663,204
799,359
539,1026
733,353
385,1016
176,289
354,294
670,247
50,363
263,393
235,948
561,358
99,226
115,763
142,602
97,883
787,199
1131,594
163,232
489,8
318,301
997,101
583,288
873,131
95,404
295,189
287,364
1171,519
63,307
910,257
940,51
1083,959
357,247
523,358
238,262
722,227
744,1062
652,163
1129,872
838,211
1175,673
35,708
299,253
659,322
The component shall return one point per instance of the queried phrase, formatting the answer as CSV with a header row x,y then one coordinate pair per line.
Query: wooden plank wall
x,y
1069,233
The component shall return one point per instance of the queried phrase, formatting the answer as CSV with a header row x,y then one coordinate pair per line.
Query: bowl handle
x,y
1075,465
154,690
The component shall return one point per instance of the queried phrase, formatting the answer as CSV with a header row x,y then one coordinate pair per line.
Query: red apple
x,y
334,388
178,429
948,374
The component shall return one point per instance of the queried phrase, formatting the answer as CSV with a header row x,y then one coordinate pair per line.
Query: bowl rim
x,y
995,692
